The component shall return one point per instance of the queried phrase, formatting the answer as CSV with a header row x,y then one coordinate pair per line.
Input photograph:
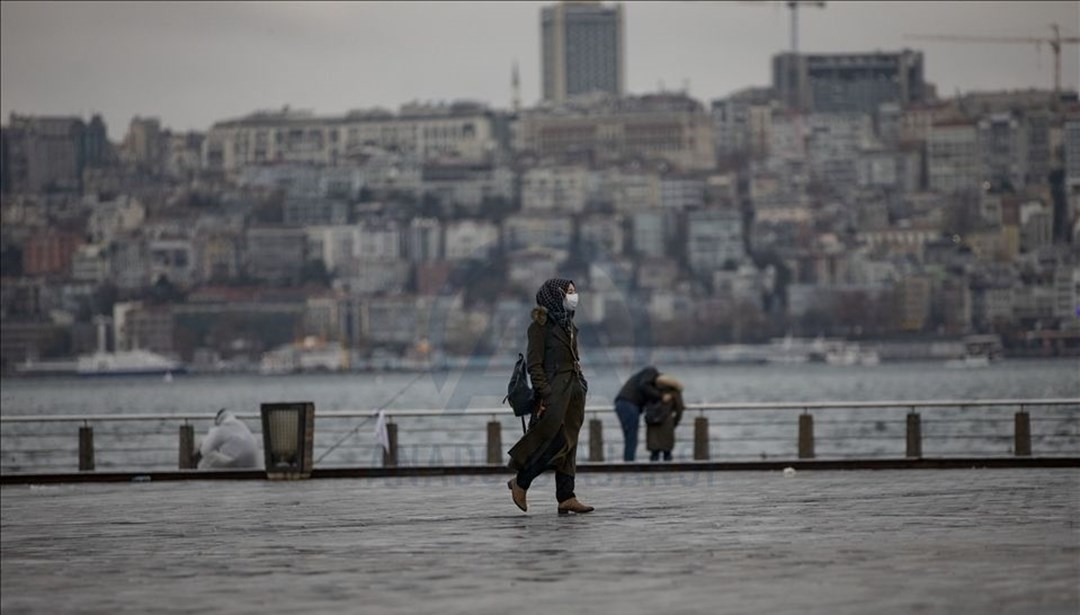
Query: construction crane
x,y
795,111
793,6
1055,42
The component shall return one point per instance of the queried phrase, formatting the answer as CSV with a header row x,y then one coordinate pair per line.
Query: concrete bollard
x,y
494,442
806,436
86,448
596,440
914,435
701,439
1022,435
187,447
390,457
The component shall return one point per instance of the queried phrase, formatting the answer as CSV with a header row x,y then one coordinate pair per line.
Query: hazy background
x,y
194,63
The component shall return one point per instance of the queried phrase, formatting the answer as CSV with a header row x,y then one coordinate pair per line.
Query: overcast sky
x,y
191,64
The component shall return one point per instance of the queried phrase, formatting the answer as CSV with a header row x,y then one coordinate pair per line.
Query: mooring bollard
x,y
390,457
914,435
187,447
701,438
1022,437
86,448
494,442
806,436
596,440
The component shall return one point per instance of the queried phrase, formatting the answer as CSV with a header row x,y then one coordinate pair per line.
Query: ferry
x,y
127,363
979,351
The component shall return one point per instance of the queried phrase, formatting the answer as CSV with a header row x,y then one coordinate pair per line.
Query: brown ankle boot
x,y
574,506
518,494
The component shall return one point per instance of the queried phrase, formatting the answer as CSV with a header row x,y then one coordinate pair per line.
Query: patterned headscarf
x,y
550,297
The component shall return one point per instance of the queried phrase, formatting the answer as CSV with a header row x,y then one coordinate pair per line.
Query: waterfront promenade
x,y
838,542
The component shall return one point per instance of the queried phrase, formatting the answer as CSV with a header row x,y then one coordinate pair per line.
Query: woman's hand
x,y
540,409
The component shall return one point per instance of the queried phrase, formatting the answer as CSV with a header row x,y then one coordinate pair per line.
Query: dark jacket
x,y
555,373
662,437
640,389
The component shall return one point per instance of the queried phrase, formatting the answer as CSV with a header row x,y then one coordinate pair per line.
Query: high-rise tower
x,y
582,49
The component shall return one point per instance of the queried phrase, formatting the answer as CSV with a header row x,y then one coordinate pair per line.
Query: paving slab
x,y
837,542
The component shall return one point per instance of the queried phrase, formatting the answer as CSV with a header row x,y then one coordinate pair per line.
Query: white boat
x,y
846,355
869,358
32,367
979,351
127,363
788,351
135,362
968,362
307,355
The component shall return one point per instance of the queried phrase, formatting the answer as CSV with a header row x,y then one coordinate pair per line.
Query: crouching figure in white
x,y
228,444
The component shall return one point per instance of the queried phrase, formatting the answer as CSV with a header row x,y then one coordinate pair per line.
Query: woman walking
x,y
559,388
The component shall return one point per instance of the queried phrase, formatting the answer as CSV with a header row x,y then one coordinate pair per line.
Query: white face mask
x,y
571,302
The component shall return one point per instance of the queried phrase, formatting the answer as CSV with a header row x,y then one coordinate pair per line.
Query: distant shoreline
x,y
485,362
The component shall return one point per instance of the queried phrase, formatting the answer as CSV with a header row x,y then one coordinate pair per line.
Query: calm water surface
x,y
733,435
479,388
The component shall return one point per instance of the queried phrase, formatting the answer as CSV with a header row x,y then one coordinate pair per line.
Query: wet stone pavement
x,y
836,542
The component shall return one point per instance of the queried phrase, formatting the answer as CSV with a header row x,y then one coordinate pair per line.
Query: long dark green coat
x,y
662,437
556,379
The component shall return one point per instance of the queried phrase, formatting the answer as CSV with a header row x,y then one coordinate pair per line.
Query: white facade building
x,y
173,259
682,193
424,241
556,188
334,245
378,242
528,231
470,240
633,192
952,151
111,219
90,263
715,237
456,132
601,236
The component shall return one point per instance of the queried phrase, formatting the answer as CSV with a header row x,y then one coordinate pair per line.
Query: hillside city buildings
x,y
846,199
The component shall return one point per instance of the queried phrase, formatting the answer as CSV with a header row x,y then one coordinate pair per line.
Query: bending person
x,y
639,390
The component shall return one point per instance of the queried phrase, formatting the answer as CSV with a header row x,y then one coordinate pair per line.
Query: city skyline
x,y
83,62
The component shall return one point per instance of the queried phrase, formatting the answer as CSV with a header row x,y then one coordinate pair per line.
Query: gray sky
x,y
194,63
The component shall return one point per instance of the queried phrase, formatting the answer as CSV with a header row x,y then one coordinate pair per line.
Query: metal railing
x,y
719,431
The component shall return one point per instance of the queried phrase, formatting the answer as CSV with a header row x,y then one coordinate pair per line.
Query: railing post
x,y
914,434
86,448
1022,434
494,442
701,439
596,440
187,447
806,436
390,457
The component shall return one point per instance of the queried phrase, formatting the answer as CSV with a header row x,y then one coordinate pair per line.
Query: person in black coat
x,y
560,388
638,391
